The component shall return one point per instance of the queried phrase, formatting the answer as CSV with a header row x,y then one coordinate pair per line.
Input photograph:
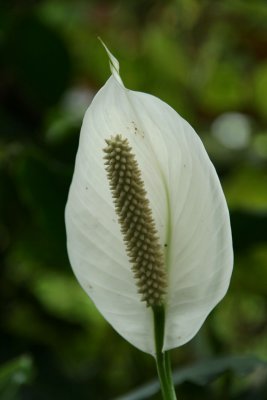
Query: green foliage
x,y
208,60
14,375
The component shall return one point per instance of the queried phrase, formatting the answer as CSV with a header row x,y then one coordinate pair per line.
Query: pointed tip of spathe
x,y
113,62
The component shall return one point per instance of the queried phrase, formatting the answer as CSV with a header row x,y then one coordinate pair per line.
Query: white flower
x,y
188,207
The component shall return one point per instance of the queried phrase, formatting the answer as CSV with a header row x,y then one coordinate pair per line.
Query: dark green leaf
x,y
201,374
13,375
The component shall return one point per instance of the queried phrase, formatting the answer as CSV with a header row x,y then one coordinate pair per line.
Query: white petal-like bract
x,y
188,207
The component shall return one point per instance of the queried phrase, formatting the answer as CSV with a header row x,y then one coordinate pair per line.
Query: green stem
x,y
162,358
167,362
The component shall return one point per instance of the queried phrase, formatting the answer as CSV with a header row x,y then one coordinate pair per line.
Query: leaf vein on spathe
x,y
174,303
185,196
96,242
119,294
198,241
211,274
85,206
103,271
196,263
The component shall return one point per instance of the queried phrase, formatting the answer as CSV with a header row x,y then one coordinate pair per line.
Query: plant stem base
x,y
162,358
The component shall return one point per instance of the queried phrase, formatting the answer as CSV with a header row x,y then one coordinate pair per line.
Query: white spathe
x,y
188,207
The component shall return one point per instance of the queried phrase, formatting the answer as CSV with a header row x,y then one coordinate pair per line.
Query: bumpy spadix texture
x,y
135,218
188,208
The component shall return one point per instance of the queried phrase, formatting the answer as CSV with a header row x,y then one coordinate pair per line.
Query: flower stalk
x,y
162,358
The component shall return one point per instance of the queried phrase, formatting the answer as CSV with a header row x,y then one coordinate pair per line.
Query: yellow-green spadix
x,y
189,247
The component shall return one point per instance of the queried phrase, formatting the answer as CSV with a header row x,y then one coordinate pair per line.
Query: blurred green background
x,y
208,60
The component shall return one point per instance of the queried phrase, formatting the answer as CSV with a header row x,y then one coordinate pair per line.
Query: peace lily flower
x,y
148,231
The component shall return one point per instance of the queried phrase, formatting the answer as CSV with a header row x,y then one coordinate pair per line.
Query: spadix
x,y
187,210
